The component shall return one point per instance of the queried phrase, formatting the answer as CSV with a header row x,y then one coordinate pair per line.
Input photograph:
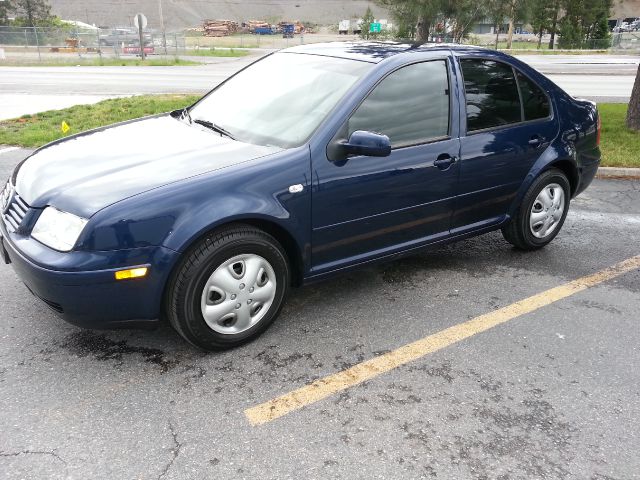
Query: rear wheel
x,y
541,213
228,288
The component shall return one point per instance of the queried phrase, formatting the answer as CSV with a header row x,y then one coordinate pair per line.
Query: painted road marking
x,y
8,149
324,387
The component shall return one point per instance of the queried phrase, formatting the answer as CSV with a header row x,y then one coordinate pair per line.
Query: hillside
x,y
185,13
626,8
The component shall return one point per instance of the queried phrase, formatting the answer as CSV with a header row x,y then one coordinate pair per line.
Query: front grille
x,y
16,209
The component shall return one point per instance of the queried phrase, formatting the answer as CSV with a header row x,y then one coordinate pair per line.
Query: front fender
x,y
247,209
176,215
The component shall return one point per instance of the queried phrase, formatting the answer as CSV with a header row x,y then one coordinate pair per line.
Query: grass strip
x,y
41,128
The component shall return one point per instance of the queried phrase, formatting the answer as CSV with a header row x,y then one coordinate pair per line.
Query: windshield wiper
x,y
214,127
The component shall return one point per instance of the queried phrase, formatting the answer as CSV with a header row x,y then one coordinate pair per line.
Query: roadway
x,y
603,78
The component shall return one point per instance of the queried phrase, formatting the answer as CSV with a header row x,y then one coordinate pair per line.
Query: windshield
x,y
281,99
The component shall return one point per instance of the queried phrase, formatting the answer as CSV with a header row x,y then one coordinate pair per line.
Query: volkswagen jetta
x,y
311,161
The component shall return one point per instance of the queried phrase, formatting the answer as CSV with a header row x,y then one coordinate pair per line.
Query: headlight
x,y
58,230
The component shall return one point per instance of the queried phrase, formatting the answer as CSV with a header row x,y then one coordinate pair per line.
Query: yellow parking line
x,y
324,387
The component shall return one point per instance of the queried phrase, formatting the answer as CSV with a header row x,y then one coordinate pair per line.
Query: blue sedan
x,y
309,162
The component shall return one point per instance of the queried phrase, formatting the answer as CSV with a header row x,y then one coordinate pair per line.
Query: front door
x,y
368,206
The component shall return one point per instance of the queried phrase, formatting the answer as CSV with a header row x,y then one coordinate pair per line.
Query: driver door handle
x,y
444,161
536,141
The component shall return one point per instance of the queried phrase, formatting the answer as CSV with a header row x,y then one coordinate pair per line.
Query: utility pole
x,y
140,34
164,33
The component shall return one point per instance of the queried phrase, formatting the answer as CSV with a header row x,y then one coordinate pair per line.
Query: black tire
x,y
518,231
185,289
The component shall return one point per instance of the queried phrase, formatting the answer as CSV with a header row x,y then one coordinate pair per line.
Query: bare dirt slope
x,y
185,13
626,8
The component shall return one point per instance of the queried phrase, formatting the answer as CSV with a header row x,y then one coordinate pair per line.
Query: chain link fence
x,y
626,41
617,42
57,45
29,44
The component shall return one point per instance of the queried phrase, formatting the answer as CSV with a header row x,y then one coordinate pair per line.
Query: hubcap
x,y
238,294
547,211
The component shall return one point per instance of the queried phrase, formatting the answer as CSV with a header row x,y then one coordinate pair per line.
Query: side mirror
x,y
367,143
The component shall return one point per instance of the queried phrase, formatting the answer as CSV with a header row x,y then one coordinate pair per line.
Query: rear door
x,y
509,123
367,206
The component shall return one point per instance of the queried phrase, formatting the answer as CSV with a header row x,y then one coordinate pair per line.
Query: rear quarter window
x,y
535,102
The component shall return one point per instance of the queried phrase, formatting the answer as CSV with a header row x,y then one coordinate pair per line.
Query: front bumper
x,y
85,292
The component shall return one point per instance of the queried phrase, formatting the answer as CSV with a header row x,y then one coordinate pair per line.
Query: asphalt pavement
x,y
552,393
602,78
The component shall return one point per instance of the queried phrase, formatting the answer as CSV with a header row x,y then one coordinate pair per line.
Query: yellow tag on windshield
x,y
65,127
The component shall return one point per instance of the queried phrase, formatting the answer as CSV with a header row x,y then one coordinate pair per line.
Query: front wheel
x,y
228,288
541,213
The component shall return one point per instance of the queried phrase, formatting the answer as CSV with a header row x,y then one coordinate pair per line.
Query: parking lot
x,y
518,373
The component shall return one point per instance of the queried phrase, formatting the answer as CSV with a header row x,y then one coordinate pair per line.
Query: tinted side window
x,y
410,106
492,94
534,101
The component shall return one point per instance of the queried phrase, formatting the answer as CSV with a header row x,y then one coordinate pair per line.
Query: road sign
x,y
375,28
140,21
144,20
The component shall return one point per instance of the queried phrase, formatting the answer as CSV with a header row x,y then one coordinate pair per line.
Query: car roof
x,y
376,51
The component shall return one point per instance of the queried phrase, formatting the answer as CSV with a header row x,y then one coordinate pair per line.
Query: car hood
x,y
87,172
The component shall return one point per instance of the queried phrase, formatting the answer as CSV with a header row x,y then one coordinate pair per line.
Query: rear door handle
x,y
536,141
444,161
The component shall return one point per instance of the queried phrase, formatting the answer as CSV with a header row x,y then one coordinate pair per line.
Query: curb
x,y
618,172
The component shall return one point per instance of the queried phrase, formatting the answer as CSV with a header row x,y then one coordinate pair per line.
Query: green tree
x,y
420,19
422,14
33,12
367,20
496,12
555,17
405,15
5,8
571,24
600,36
595,23
541,17
517,11
461,15
585,24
